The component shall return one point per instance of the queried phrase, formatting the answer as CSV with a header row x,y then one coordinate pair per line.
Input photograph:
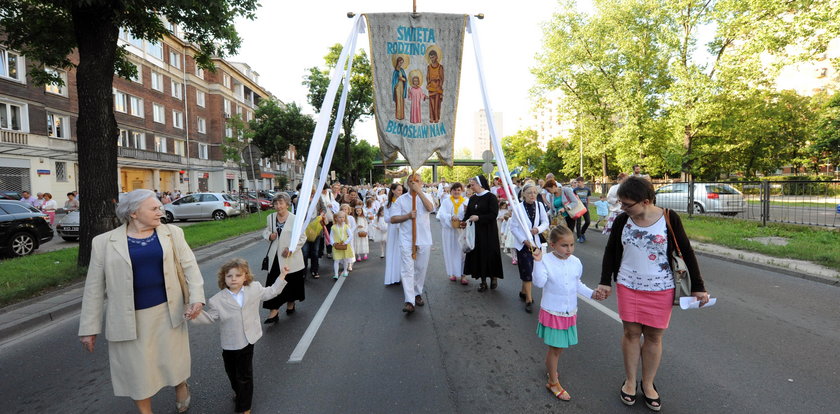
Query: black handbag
x,y
265,259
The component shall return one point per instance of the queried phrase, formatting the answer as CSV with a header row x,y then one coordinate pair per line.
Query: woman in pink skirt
x,y
636,258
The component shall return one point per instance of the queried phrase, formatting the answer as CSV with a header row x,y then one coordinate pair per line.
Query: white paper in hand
x,y
690,302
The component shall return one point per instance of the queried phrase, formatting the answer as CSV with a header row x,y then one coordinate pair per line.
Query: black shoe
x,y
290,311
528,307
419,300
522,296
408,308
494,284
275,319
482,287
650,401
627,399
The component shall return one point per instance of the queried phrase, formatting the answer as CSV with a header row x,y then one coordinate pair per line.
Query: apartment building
x,y
171,116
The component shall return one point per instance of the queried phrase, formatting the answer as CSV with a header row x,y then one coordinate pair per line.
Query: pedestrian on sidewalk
x,y
558,275
414,251
392,246
278,232
136,267
535,215
485,260
637,259
237,308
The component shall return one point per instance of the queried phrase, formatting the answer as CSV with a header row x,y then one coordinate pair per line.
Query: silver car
x,y
708,198
216,206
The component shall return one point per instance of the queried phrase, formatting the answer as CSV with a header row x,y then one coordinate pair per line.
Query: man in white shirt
x,y
413,270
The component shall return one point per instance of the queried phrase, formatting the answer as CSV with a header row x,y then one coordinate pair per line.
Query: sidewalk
x,y
33,313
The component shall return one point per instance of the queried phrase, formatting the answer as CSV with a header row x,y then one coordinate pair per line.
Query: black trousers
x,y
310,255
581,227
239,367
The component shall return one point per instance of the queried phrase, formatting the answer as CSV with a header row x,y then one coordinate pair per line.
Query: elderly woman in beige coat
x,y
278,232
135,267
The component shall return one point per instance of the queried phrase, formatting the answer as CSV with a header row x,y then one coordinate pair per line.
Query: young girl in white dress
x,y
379,231
393,256
341,232
360,240
558,275
351,221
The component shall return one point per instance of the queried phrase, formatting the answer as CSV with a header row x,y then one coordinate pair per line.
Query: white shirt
x,y
239,297
644,264
424,230
560,282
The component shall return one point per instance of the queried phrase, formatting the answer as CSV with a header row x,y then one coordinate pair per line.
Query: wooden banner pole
x,y
412,178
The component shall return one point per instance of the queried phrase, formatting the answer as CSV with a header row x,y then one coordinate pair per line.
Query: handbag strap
x,y
274,217
671,231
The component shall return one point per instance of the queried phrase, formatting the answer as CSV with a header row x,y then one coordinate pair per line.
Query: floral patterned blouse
x,y
644,265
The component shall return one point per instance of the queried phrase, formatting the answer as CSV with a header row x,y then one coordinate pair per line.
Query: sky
x,y
288,37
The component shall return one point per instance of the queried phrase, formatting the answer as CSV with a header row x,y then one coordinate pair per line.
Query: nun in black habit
x,y
485,260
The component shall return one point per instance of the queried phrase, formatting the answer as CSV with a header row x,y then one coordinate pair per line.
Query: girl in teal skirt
x,y
558,274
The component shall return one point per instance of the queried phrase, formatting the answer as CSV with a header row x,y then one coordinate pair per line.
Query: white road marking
x,y
309,335
605,310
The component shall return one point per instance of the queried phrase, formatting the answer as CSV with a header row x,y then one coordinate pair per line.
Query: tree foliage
x,y
277,126
47,32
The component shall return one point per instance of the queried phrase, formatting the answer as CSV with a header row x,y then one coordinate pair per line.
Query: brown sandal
x,y
561,394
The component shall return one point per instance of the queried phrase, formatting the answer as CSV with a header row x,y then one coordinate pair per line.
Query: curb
x,y
33,313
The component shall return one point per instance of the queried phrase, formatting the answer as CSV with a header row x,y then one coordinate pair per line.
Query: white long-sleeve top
x,y
560,282
540,222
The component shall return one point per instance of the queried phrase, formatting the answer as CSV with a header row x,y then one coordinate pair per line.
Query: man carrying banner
x,y
413,270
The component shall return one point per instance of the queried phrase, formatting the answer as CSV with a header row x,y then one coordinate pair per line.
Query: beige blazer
x,y
110,276
295,261
239,326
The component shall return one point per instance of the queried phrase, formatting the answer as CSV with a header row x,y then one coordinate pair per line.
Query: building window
x,y
120,104
228,132
226,106
10,65
202,125
54,87
61,172
132,139
178,147
177,91
135,106
199,71
203,151
138,78
12,116
160,144
155,49
239,111
249,116
157,81
177,119
226,80
175,59
57,126
199,98
159,113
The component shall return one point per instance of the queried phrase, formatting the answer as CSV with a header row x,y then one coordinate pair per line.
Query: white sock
x,y
335,266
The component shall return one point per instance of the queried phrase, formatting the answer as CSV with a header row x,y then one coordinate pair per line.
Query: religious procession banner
x,y
416,64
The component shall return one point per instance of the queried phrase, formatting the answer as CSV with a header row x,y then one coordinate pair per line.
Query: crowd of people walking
x,y
537,222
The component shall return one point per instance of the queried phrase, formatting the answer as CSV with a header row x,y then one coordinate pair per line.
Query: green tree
x,y
522,150
276,126
235,144
359,101
825,140
47,32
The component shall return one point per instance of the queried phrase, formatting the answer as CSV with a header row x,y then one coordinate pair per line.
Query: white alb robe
x,y
453,254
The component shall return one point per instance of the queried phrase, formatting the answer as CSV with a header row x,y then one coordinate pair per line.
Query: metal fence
x,y
813,203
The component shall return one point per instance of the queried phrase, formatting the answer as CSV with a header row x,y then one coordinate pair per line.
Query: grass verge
x,y
30,276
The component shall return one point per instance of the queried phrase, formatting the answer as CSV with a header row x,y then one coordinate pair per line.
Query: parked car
x,y
22,228
216,206
68,227
249,205
265,204
708,198
10,195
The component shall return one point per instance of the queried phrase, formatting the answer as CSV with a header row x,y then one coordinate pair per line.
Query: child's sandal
x,y
558,391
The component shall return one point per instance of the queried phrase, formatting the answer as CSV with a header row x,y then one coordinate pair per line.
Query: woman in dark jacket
x,y
485,260
637,259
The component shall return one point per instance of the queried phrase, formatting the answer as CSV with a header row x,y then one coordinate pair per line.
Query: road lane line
x,y
309,335
605,310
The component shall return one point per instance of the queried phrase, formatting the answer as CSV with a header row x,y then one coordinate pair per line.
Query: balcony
x,y
12,137
148,155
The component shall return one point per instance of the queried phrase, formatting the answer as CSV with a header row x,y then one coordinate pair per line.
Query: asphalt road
x,y
768,346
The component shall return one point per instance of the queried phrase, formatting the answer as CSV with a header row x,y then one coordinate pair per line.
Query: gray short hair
x,y
282,196
131,202
529,186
